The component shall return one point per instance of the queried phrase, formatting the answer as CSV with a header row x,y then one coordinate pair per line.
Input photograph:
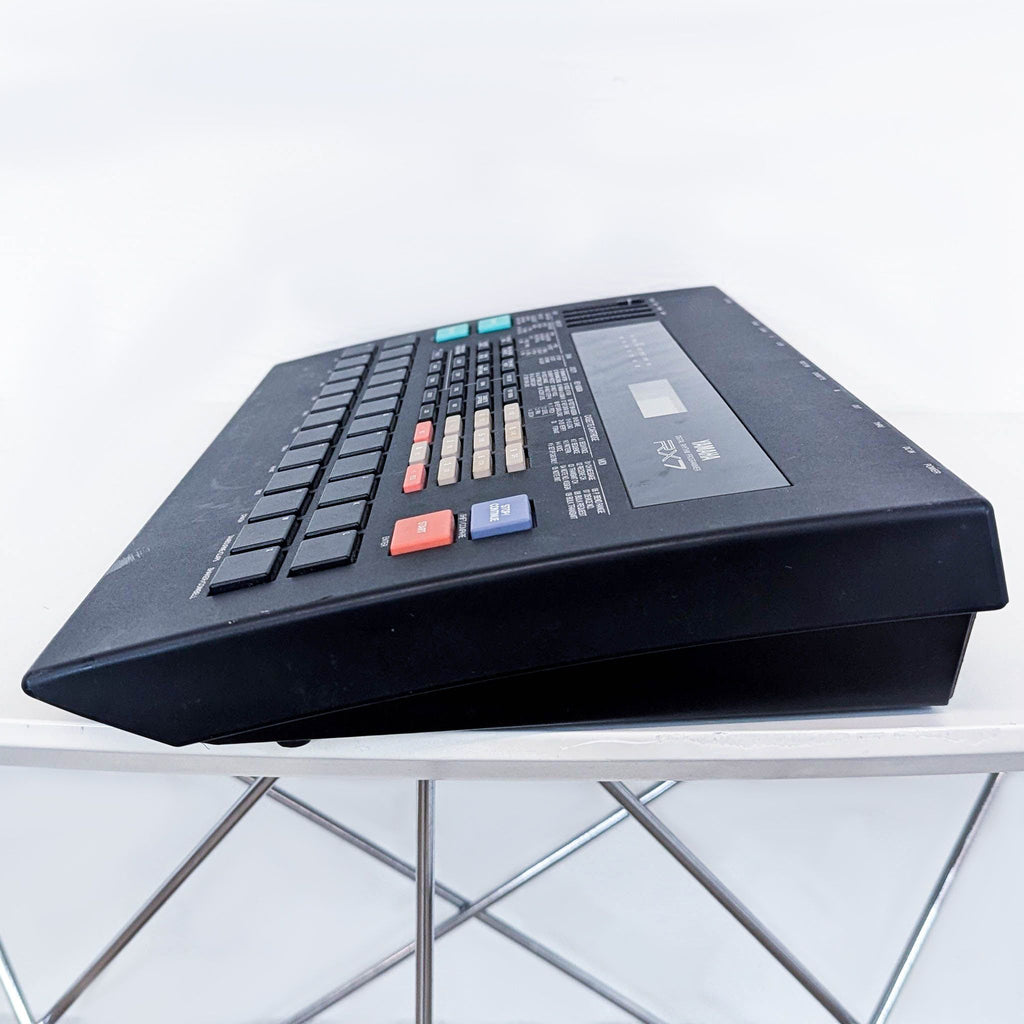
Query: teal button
x,y
451,333
494,323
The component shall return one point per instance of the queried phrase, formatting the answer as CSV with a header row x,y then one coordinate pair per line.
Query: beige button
x,y
481,464
482,419
448,471
481,439
452,425
515,458
513,433
450,446
419,454
511,412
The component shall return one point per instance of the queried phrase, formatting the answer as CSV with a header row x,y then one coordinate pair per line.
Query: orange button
x,y
424,432
415,478
417,533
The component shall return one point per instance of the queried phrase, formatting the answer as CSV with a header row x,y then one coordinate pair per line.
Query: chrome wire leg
x,y
425,902
938,894
725,897
469,910
15,996
206,846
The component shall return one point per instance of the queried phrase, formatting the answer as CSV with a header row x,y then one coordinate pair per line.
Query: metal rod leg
x,y
15,996
725,897
935,899
425,903
475,909
206,846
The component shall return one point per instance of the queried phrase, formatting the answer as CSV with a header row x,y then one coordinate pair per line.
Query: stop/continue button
x,y
418,533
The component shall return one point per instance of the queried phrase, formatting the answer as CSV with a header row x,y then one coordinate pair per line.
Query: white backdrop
x,y
191,192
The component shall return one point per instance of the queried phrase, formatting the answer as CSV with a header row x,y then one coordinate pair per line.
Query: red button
x,y
424,432
415,478
417,533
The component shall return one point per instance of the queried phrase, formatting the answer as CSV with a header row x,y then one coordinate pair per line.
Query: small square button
x,y
349,516
424,431
324,552
351,489
448,470
415,478
308,455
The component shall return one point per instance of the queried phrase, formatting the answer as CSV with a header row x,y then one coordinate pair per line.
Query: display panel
x,y
673,435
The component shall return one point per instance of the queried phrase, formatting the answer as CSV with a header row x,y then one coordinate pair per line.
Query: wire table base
x,y
632,806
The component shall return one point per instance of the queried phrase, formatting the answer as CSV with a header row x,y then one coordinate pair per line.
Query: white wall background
x,y
191,192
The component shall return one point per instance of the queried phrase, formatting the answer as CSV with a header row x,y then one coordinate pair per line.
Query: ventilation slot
x,y
606,313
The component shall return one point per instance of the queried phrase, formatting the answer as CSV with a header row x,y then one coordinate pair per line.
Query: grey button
x,y
351,373
348,516
344,359
315,435
356,465
450,446
452,425
515,458
377,405
395,376
278,504
324,552
245,569
366,424
482,418
263,534
344,387
352,489
511,412
285,480
448,471
317,419
384,391
331,402
513,433
482,466
391,364
363,443
481,440
419,454
311,455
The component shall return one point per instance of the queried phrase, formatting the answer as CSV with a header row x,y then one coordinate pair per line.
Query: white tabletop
x,y
981,730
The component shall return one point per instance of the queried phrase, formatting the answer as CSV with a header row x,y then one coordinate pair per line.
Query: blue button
x,y
494,323
503,515
451,333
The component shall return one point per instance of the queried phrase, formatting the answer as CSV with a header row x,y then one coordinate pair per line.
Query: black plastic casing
x,y
852,588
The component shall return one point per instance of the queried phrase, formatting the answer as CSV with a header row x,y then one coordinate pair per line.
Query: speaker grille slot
x,y
606,313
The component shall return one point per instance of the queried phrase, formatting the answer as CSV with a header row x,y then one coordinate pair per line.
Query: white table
x,y
982,730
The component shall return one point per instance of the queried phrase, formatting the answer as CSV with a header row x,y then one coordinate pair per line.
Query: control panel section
x,y
673,435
